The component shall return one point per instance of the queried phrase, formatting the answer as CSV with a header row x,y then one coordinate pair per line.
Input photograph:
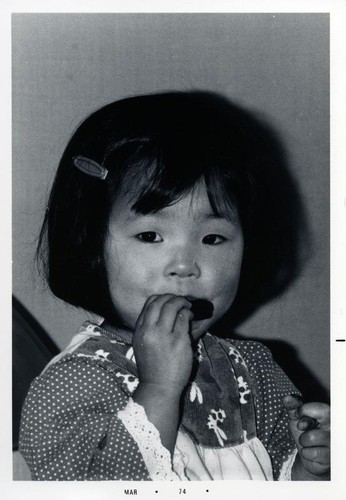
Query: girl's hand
x,y
162,344
310,428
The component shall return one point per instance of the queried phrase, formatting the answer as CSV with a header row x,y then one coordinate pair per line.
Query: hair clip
x,y
90,167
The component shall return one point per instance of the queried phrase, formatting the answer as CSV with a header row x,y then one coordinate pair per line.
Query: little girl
x,y
159,201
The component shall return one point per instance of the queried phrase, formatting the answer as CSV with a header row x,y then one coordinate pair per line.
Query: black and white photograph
x,y
173,178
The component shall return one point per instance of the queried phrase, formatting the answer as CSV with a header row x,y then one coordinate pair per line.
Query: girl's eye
x,y
213,239
149,237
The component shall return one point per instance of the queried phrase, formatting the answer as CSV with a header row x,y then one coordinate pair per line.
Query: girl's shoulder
x,y
252,350
259,360
256,356
99,346
94,344
95,360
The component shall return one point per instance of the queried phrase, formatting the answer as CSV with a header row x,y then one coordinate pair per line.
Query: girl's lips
x,y
201,308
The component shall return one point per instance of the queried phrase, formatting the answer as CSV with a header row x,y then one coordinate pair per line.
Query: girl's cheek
x,y
226,270
134,276
228,281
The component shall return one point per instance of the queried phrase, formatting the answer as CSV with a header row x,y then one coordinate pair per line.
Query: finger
x,y
170,310
182,321
143,312
318,411
318,454
315,437
152,308
307,423
292,402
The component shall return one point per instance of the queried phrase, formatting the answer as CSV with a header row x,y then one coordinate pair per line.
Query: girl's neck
x,y
120,331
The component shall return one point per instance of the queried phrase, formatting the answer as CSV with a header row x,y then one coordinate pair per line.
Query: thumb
x,y
292,402
299,421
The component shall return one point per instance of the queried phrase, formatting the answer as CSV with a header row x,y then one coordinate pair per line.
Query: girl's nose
x,y
182,263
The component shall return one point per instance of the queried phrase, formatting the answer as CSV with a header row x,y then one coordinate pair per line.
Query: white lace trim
x,y
156,457
286,470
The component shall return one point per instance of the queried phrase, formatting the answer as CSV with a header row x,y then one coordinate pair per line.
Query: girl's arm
x,y
71,429
163,352
271,385
277,422
162,410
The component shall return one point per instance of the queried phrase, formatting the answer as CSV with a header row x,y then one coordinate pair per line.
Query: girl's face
x,y
183,249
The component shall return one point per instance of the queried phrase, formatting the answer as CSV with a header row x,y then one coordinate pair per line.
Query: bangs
x,y
153,177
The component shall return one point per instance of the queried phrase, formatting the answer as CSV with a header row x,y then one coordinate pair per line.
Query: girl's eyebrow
x,y
212,216
168,215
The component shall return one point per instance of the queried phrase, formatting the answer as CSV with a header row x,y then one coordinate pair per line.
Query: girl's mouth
x,y
201,308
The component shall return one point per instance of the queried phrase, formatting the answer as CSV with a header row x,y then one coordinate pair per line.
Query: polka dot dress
x,y
71,430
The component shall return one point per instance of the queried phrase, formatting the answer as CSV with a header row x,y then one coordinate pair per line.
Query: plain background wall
x,y
67,65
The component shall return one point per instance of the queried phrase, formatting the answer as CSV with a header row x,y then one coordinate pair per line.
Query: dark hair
x,y
158,147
